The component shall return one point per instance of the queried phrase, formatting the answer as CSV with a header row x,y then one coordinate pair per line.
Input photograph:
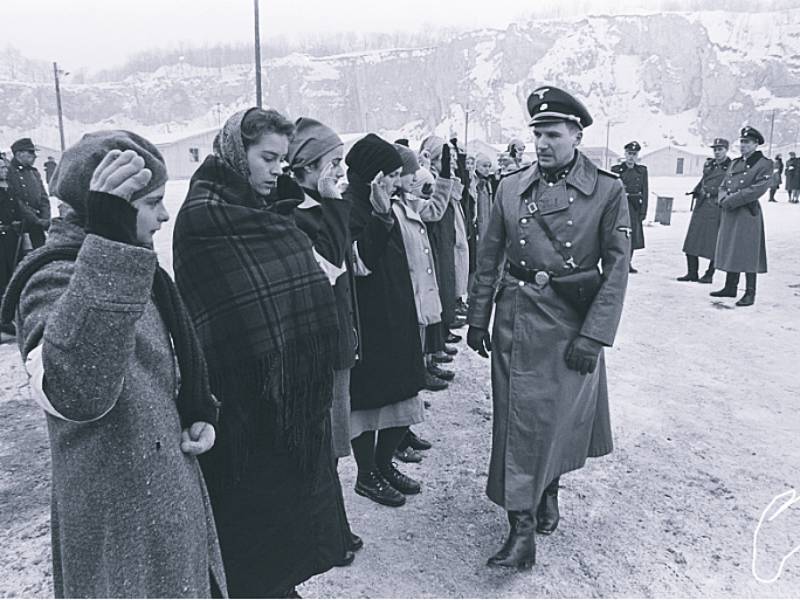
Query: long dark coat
x,y
636,185
9,237
701,237
793,174
25,185
741,244
443,239
547,418
391,368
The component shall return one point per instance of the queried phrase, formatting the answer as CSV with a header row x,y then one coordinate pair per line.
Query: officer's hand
x,y
582,354
120,174
479,340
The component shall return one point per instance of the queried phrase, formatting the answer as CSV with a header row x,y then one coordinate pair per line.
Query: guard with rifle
x,y
741,243
701,237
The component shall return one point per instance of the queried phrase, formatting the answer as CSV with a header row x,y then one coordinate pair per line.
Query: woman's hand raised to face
x,y
120,174
326,185
379,197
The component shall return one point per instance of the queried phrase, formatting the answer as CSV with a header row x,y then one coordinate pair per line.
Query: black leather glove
x,y
447,171
111,217
582,354
479,340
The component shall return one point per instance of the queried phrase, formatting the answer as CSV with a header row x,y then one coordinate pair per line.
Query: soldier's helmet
x,y
548,104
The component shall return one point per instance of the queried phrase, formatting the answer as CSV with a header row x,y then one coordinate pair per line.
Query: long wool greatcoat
x,y
635,180
547,418
701,237
741,244
130,513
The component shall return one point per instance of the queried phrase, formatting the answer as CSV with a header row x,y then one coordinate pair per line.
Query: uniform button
x,y
571,200
568,244
741,181
426,251
422,230
522,242
429,271
550,184
570,223
521,284
523,263
523,221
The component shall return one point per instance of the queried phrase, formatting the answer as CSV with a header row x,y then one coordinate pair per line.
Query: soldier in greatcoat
x,y
548,369
741,243
793,177
634,178
701,237
25,184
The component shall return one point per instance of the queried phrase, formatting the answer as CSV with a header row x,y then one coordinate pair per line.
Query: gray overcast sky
x,y
96,34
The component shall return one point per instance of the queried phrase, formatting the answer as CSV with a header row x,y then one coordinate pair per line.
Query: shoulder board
x,y
641,166
520,170
610,173
709,161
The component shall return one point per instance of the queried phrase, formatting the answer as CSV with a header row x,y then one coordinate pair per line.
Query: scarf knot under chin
x,y
265,315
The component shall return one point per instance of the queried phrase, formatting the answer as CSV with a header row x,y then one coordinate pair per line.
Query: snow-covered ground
x,y
704,400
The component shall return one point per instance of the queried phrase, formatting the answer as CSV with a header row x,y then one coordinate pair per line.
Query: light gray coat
x,y
130,512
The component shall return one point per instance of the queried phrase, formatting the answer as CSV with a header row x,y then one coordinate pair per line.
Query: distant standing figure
x,y
701,237
777,171
49,169
741,244
793,177
25,184
634,178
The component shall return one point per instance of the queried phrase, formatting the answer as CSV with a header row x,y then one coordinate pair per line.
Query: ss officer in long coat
x,y
634,178
701,237
548,369
741,244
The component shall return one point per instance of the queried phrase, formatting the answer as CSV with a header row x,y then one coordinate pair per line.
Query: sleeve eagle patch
x,y
626,230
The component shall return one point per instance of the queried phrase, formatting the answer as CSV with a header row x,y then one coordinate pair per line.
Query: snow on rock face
x,y
677,77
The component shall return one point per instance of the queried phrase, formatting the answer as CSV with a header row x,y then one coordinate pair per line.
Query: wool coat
x,y
547,418
483,204
701,237
635,180
391,368
741,244
10,217
131,516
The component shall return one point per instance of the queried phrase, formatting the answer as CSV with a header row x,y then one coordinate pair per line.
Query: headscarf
x,y
312,140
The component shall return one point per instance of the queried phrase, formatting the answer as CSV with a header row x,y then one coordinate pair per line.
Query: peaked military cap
x,y
633,146
548,104
720,142
753,134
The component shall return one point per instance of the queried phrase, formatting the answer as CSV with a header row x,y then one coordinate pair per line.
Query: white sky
x,y
97,34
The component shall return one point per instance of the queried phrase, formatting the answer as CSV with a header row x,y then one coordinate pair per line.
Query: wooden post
x,y
258,55
58,107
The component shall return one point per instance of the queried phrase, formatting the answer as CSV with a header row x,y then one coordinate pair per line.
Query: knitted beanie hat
x,y
410,162
370,155
71,179
311,141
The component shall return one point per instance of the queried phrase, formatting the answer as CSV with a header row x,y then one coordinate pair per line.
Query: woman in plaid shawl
x,y
266,318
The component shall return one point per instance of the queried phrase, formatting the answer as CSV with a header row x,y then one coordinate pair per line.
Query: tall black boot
x,y
692,265
519,551
731,284
749,297
547,515
708,276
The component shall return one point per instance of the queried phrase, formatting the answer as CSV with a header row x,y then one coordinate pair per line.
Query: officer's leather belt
x,y
635,195
530,275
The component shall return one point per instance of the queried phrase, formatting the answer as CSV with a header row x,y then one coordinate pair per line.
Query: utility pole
x,y
771,129
466,129
58,107
608,133
258,55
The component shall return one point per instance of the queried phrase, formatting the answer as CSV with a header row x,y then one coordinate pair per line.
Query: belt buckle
x,y
541,277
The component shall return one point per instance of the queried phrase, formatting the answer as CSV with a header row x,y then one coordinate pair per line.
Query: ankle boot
x,y
691,269
708,276
547,514
519,550
729,291
372,485
749,297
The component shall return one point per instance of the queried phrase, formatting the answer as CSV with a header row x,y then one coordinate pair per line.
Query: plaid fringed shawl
x,y
265,315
